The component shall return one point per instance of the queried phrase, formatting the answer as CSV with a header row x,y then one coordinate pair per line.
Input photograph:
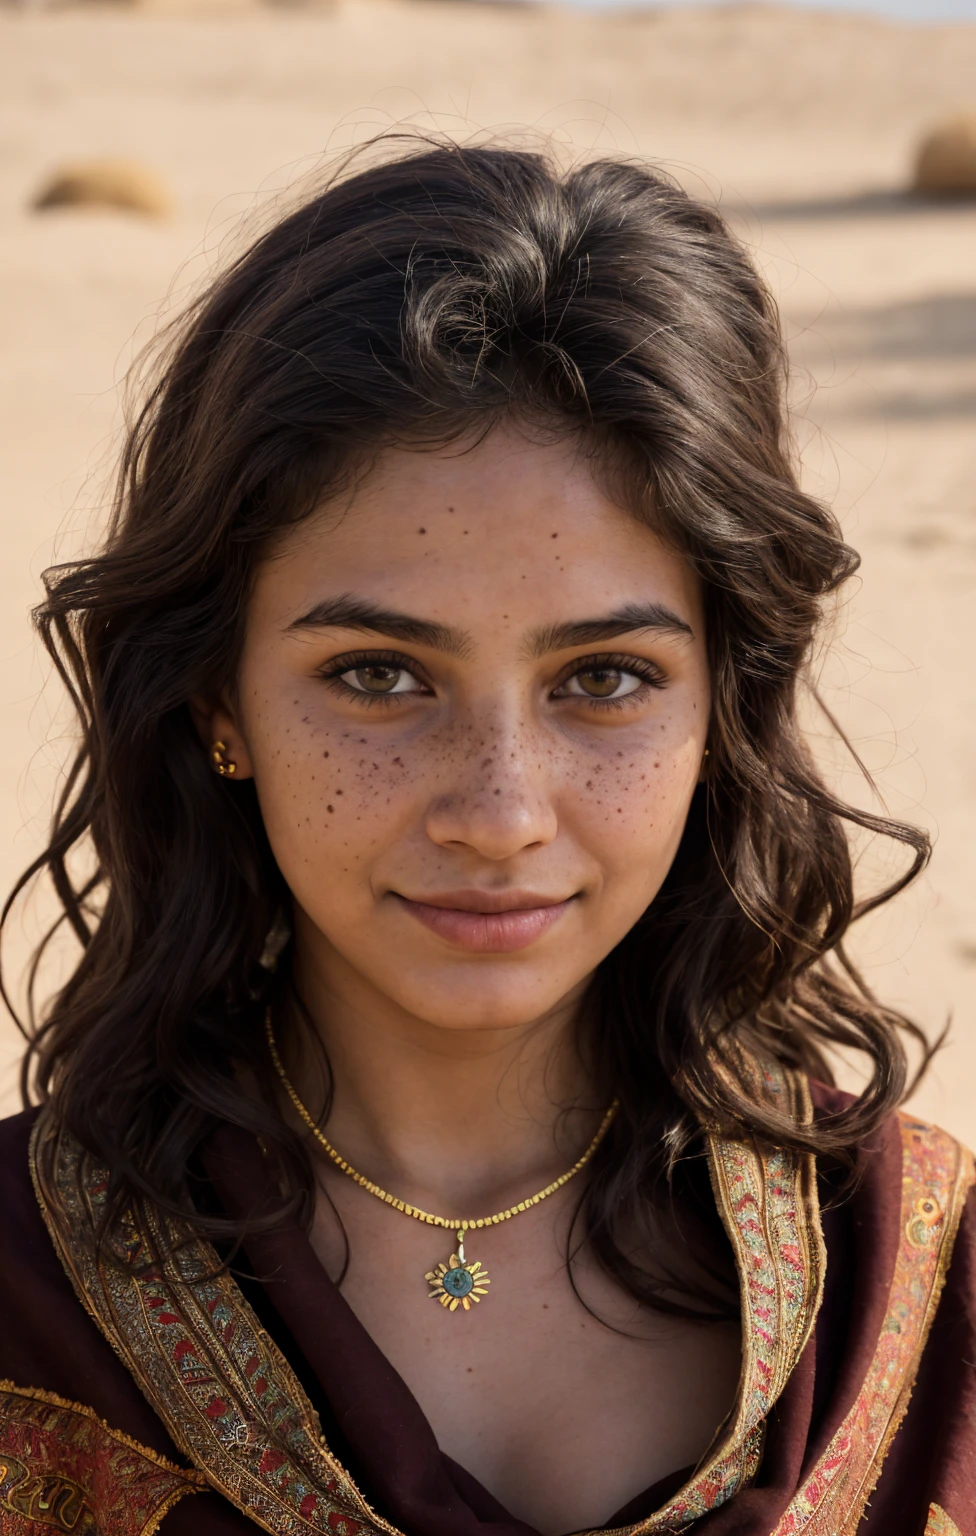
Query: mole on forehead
x,y
350,612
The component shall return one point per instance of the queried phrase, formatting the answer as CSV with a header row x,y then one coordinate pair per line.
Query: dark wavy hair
x,y
417,300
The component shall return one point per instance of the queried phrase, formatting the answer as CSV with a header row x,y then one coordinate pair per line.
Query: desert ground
x,y
802,126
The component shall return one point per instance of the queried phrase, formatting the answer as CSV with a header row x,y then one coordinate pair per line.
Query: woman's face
x,y
474,698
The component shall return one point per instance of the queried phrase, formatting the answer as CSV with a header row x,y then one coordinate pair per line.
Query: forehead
x,y
509,530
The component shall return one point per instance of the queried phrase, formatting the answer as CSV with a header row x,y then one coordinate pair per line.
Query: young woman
x,y
436,1135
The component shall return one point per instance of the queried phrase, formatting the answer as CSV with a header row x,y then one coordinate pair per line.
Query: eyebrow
x,y
351,612
631,619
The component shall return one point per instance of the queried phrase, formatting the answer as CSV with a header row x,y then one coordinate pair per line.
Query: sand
x,y
803,125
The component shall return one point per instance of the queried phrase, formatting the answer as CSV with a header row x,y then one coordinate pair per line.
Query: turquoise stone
x,y
458,1282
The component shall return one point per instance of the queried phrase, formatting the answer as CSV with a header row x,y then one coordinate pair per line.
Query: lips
x,y
488,922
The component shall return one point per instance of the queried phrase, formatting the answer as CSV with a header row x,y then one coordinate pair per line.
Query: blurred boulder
x,y
120,184
946,162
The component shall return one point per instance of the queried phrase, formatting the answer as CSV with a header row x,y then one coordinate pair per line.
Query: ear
x,y
216,722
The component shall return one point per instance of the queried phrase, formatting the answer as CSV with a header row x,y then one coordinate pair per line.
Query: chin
x,y
465,1008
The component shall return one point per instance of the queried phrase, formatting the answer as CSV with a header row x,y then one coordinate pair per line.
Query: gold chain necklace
x,y
459,1281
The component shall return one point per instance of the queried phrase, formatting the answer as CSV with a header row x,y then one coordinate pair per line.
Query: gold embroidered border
x,y
769,1206
939,1523
771,1211
936,1177
234,1407
226,1394
62,1468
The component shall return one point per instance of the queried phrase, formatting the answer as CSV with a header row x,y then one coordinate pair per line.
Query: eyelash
x,y
332,674
651,676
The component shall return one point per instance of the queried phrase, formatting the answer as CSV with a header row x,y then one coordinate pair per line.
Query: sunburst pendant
x,y
459,1282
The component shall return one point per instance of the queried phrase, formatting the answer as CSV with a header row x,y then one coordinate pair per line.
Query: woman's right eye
x,y
380,678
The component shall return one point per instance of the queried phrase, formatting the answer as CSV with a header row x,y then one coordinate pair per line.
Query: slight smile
x,y
487,923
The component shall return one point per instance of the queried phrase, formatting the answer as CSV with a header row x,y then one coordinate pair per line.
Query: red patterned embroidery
x,y
936,1175
230,1400
62,1469
769,1206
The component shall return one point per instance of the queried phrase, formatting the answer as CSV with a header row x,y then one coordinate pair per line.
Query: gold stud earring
x,y
224,765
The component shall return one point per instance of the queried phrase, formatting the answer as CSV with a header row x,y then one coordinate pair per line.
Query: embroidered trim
x,y
233,1405
62,1468
939,1523
226,1394
769,1206
936,1177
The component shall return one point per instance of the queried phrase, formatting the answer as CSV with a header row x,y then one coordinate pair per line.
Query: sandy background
x,y
803,125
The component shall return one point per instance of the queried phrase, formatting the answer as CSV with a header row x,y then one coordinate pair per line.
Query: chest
x,y
565,1401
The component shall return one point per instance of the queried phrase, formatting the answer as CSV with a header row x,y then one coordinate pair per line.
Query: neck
x,y
455,1120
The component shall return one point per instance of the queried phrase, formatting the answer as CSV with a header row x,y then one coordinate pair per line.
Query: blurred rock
x,y
120,184
946,161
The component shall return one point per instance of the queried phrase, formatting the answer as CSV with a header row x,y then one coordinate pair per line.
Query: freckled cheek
x,y
633,798
329,790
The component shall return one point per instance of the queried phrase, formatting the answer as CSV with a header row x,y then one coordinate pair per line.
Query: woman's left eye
x,y
602,683
380,679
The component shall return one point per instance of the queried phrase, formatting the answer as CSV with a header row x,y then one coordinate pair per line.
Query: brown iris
x,y
377,679
598,682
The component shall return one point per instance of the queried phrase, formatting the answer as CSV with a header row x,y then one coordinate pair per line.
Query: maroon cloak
x,y
166,1395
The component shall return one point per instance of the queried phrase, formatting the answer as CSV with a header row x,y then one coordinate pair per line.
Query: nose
x,y
500,801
